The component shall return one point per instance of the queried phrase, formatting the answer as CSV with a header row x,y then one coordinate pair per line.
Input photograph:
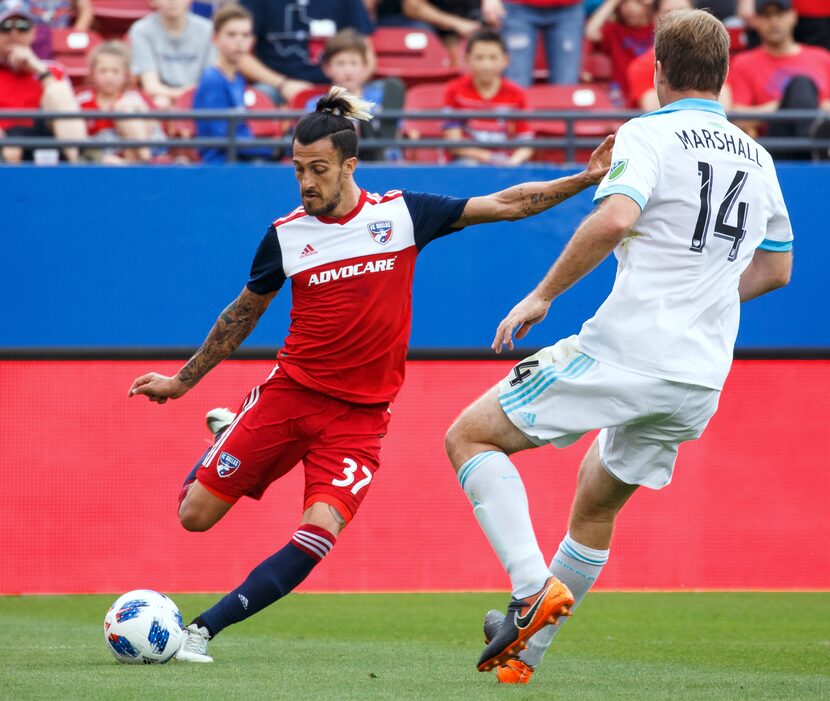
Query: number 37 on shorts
x,y
351,478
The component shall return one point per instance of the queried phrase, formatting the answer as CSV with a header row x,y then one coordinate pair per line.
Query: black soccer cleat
x,y
524,618
492,622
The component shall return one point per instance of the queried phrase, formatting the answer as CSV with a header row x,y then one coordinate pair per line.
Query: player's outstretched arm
x,y
528,199
232,327
767,271
591,243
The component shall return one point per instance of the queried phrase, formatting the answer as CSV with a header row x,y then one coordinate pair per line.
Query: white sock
x,y
578,566
499,500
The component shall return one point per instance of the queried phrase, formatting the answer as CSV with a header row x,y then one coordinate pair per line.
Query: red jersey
x,y
812,8
624,44
22,91
351,287
462,94
88,102
640,77
756,77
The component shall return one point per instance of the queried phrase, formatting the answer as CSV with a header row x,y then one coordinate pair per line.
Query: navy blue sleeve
x,y
267,274
433,215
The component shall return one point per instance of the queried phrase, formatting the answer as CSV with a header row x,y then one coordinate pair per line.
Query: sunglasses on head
x,y
18,23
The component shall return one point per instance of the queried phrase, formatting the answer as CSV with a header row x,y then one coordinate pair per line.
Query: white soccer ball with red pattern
x,y
143,627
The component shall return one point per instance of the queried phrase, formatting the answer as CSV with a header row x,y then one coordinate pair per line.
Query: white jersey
x,y
709,197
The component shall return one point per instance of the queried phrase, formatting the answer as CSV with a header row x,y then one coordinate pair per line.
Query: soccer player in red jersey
x,y
350,256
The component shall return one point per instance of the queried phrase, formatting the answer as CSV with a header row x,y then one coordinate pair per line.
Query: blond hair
x,y
693,48
112,48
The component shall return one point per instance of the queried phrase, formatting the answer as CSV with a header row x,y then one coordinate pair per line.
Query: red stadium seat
x,y
428,96
114,17
596,66
737,37
258,101
71,48
121,9
569,97
413,55
301,99
183,129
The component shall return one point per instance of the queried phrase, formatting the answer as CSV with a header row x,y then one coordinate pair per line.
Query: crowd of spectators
x,y
181,54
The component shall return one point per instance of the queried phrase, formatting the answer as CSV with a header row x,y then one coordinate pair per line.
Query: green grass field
x,y
424,646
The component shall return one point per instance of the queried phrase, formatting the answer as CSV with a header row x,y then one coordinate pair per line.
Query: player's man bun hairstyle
x,y
334,117
693,48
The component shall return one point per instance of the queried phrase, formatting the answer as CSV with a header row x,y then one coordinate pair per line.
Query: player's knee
x,y
453,441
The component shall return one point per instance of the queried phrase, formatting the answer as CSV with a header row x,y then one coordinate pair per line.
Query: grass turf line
x,y
424,646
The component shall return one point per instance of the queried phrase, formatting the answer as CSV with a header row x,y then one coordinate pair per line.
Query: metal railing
x,y
570,141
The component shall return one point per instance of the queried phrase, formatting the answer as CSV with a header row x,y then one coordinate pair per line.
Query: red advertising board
x,y
90,480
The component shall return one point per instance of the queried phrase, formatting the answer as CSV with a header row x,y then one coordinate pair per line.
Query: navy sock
x,y
270,580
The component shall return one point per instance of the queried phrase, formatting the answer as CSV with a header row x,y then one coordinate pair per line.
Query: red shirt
x,y
640,77
461,94
812,8
88,102
22,91
351,289
756,77
624,44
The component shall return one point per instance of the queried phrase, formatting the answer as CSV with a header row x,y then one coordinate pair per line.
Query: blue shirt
x,y
215,91
282,29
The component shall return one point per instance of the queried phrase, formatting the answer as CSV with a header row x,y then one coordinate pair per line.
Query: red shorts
x,y
281,423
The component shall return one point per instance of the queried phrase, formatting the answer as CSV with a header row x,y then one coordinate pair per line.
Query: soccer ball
x,y
143,627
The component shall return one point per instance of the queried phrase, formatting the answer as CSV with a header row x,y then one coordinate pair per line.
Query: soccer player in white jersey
x,y
693,211
350,256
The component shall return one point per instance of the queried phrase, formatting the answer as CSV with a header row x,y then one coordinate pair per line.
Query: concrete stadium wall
x,y
90,481
99,256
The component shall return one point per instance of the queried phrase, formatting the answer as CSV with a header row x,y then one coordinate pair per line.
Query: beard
x,y
326,207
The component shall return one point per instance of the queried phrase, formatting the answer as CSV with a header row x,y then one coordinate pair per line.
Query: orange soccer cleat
x,y
514,672
524,618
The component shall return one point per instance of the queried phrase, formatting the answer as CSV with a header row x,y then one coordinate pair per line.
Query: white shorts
x,y
559,394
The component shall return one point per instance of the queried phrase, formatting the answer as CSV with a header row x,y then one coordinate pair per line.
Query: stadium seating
x,y
596,66
183,129
71,49
569,97
114,17
414,56
258,101
300,100
427,96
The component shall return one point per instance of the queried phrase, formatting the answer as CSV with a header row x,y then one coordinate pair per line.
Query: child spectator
x,y
485,89
171,49
223,87
109,75
624,38
346,62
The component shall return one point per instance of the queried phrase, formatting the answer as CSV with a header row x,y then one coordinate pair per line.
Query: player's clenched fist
x,y
158,388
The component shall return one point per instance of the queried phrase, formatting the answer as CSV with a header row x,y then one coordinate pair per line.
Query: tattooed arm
x,y
527,199
231,328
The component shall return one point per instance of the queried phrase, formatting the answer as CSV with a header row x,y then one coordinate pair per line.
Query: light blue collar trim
x,y
691,103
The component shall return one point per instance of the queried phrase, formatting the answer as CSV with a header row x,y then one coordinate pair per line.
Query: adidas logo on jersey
x,y
309,250
373,266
